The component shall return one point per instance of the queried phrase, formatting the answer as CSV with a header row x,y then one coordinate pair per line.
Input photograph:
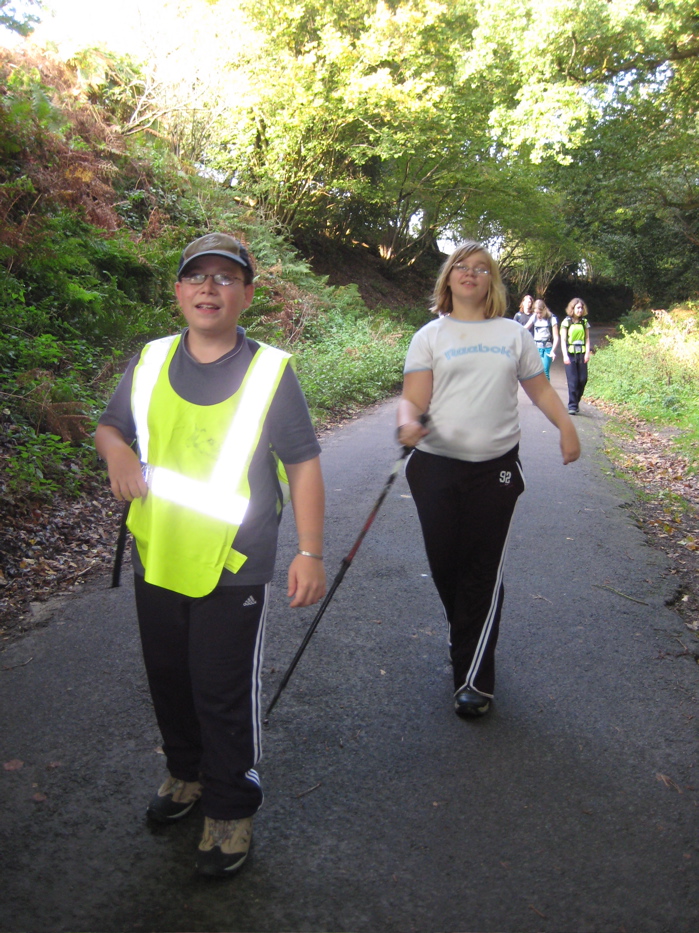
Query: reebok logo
x,y
477,348
250,601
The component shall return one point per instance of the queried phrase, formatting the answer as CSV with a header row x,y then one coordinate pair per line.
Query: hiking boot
x,y
469,703
174,800
224,846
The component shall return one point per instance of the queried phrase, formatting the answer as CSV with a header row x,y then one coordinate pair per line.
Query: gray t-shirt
x,y
522,318
288,430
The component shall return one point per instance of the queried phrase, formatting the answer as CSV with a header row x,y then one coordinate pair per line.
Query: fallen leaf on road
x,y
668,782
39,798
14,765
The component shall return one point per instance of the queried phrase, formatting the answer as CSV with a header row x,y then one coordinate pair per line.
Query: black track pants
x,y
576,376
203,658
465,511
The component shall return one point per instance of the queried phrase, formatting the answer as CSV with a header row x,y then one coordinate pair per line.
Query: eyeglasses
x,y
477,270
220,278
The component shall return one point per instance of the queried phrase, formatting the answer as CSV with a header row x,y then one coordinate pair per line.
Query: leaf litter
x,y
48,549
666,506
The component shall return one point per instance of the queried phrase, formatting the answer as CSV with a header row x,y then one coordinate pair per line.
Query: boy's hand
x,y
123,465
126,475
306,581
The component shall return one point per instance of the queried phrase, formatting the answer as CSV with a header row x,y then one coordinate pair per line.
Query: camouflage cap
x,y
215,244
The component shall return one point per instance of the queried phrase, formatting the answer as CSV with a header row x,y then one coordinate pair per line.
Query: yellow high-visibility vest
x,y
196,463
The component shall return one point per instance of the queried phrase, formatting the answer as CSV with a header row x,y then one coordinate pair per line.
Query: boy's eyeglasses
x,y
477,270
220,278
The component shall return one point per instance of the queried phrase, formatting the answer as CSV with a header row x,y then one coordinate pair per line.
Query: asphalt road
x,y
572,807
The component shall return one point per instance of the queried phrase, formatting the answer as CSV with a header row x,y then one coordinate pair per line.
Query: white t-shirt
x,y
476,366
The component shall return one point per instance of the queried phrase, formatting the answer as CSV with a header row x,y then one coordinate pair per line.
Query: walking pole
x,y
344,567
120,545
121,541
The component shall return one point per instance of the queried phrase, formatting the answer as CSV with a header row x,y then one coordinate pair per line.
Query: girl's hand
x,y
411,433
570,443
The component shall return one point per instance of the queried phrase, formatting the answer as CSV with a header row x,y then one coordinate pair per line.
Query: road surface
x,y
572,807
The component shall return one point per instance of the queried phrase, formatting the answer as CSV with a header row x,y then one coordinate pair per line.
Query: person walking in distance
x,y
220,423
525,313
575,347
463,370
544,327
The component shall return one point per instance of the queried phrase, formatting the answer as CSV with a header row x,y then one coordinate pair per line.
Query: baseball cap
x,y
216,244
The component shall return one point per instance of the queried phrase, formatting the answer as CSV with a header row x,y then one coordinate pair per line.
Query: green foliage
x,y
349,123
41,465
355,363
20,20
76,280
26,108
653,371
565,132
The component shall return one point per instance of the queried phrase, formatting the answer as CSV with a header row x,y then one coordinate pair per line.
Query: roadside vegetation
x,y
651,369
646,380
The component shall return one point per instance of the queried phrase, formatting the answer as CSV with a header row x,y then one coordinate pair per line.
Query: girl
x,y
575,345
463,370
544,326
524,315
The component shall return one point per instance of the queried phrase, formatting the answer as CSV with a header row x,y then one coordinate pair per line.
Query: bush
x,y
355,363
40,465
654,371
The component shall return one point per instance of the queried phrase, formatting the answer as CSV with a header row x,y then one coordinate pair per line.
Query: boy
x,y
214,415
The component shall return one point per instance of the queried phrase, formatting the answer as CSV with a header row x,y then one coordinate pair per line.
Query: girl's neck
x,y
465,311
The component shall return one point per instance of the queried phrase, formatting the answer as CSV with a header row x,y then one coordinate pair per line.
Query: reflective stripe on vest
x,y
145,376
219,496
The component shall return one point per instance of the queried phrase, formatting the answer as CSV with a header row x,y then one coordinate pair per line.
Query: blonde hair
x,y
572,303
496,299
540,303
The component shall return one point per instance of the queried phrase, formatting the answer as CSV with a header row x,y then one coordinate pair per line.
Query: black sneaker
x,y
224,846
174,800
469,703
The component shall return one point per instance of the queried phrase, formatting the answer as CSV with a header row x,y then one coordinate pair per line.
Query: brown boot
x,y
174,800
224,846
